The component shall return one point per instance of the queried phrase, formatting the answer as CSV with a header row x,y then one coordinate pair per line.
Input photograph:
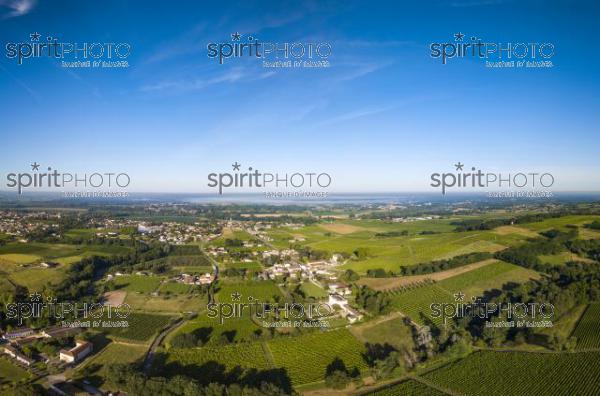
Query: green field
x,y
20,261
235,329
263,291
560,222
407,388
137,283
306,357
312,290
175,288
171,304
393,332
490,276
588,328
490,373
114,353
213,363
416,303
142,326
10,372
394,252
252,266
55,251
561,258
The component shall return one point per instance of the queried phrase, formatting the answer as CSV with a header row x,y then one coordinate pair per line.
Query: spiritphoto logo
x,y
295,54
251,178
49,178
71,54
530,314
48,307
477,178
496,54
271,314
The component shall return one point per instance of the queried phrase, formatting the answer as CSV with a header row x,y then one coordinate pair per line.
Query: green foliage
x,y
375,302
443,265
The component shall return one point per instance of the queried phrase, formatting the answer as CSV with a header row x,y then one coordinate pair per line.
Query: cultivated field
x,y
306,357
490,373
389,330
408,388
214,363
114,353
384,284
588,328
142,326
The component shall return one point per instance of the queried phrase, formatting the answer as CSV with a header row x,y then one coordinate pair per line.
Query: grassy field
x,y
137,283
253,265
56,251
491,276
10,372
235,329
263,291
213,363
407,388
114,353
306,357
312,290
142,327
386,284
394,252
562,258
560,223
565,325
383,331
19,261
587,330
173,287
170,304
515,373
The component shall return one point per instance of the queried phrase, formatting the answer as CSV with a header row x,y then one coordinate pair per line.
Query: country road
x,y
157,341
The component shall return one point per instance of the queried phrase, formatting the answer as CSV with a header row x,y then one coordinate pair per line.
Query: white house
x,y
81,350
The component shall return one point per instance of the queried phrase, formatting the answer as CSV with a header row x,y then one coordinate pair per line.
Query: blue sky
x,y
383,117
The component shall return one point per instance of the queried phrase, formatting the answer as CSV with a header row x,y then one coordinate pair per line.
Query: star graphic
x,y
35,297
35,36
458,36
235,36
236,166
35,166
459,166
236,296
460,296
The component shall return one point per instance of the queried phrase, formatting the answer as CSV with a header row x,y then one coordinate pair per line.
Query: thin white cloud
x,y
353,115
182,85
20,83
362,69
370,111
16,8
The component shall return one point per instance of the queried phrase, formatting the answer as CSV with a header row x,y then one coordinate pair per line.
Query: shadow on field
x,y
213,371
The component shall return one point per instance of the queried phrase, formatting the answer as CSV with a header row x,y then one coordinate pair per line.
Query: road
x,y
158,340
